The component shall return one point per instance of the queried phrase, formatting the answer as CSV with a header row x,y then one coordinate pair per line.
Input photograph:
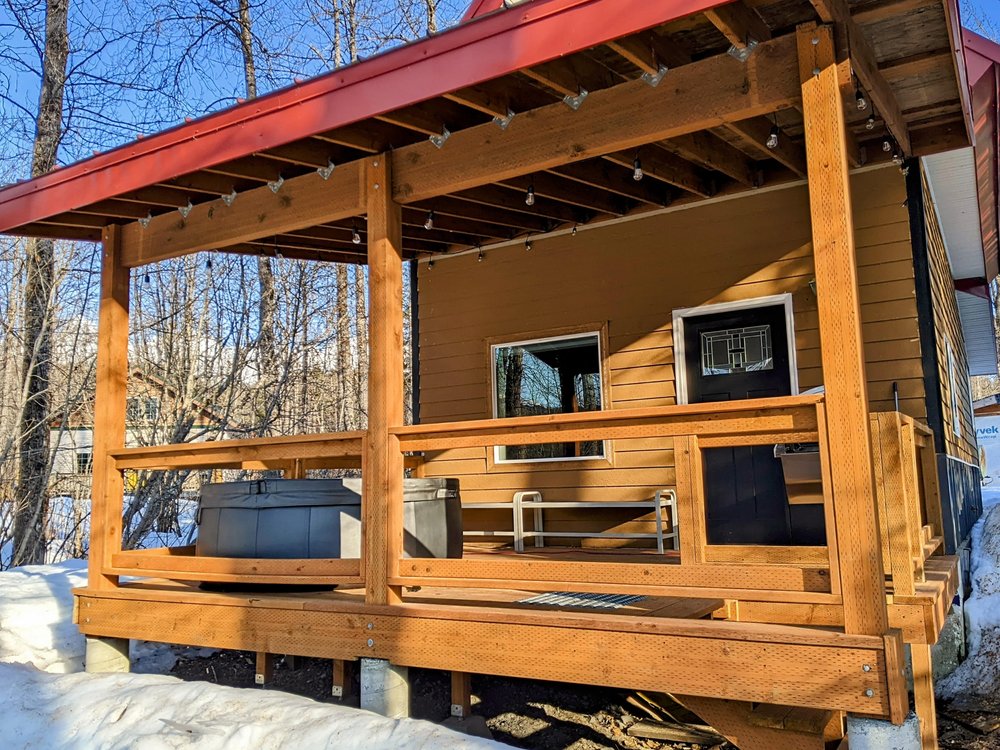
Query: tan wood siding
x,y
630,277
948,332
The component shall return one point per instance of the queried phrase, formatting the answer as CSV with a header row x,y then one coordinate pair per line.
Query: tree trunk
x,y
32,498
361,340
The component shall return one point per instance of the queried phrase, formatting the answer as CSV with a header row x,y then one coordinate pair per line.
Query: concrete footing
x,y
385,688
875,734
107,655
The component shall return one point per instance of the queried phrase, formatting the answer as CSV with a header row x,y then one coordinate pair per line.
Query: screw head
x,y
869,693
371,643
815,40
816,71
371,626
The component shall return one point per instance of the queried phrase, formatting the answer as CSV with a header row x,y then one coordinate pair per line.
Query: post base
x,y
107,655
876,734
385,688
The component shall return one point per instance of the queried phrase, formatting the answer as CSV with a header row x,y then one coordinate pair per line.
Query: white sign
x,y
988,437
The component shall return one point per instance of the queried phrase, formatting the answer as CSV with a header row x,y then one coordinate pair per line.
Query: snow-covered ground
x,y
979,674
48,703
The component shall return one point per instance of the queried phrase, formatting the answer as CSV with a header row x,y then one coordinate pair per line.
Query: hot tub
x,y
321,518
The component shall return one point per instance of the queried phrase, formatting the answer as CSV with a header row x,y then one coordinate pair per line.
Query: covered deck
x,y
526,123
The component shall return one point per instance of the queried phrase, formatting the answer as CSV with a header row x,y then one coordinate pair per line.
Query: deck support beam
x,y
841,344
109,411
383,460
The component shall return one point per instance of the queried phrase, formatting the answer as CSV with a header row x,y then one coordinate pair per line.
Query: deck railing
x,y
903,453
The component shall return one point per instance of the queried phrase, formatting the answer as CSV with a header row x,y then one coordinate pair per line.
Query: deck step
x,y
792,718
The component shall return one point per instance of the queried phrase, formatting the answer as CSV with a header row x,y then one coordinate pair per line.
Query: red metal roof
x,y
982,61
470,53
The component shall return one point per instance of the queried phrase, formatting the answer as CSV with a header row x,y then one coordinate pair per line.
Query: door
x,y
741,354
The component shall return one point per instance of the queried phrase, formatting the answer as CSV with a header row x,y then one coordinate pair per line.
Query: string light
x,y
527,244
897,156
145,279
573,233
870,122
430,264
529,197
429,224
772,138
637,169
859,97
355,235
208,264
481,256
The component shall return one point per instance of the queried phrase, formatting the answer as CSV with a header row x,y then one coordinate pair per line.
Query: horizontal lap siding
x,y
630,277
948,328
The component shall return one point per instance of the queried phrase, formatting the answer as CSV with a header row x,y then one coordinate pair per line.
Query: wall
x,y
628,278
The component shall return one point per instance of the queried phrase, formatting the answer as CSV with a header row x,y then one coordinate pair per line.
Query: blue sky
x,y
135,69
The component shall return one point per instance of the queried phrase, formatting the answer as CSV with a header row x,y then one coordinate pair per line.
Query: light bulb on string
x,y
870,122
637,169
429,224
527,244
859,97
355,236
529,197
772,137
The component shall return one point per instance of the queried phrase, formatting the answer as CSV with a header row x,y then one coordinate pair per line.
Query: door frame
x,y
679,315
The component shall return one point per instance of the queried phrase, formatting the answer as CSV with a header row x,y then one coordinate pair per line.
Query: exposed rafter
x,y
865,66
739,23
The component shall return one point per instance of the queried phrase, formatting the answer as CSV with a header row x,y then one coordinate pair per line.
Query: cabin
x,y
696,290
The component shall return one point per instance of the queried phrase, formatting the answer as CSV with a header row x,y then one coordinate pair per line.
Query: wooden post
x,y
264,670
923,694
109,411
383,469
343,678
841,348
461,694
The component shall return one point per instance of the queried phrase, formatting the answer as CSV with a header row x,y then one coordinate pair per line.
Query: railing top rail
x,y
542,421
211,446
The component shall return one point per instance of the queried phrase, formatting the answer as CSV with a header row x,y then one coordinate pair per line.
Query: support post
x,y
461,694
385,688
109,411
264,670
106,655
923,694
851,467
383,464
343,677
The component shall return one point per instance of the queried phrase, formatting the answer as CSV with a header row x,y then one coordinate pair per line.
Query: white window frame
x,y
596,334
679,316
956,417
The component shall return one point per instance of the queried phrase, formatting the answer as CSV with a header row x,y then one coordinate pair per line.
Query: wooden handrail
x,y
752,421
222,453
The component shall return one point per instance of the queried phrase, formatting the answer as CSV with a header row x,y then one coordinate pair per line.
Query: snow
x,y
979,674
49,703
154,712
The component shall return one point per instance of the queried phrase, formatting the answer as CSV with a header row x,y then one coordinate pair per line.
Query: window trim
x,y
598,330
956,416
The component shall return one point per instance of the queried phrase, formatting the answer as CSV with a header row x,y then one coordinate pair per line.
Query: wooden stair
x,y
766,726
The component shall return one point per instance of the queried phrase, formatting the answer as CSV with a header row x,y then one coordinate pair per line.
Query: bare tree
x,y
32,489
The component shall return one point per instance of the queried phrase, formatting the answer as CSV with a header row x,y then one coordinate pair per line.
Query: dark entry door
x,y
737,355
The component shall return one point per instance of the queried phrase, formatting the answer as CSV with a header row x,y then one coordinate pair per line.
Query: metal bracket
x,y
503,122
743,53
574,102
653,79
326,171
439,140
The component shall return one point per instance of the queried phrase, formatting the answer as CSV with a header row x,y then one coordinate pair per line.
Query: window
x,y
84,462
152,409
956,424
558,375
736,350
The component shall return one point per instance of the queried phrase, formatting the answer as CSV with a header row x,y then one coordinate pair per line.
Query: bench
x,y
533,500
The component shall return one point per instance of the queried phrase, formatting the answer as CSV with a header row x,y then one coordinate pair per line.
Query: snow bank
x,y
150,712
979,674
36,616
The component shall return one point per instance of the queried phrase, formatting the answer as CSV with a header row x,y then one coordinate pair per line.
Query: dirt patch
x,y
970,723
521,713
